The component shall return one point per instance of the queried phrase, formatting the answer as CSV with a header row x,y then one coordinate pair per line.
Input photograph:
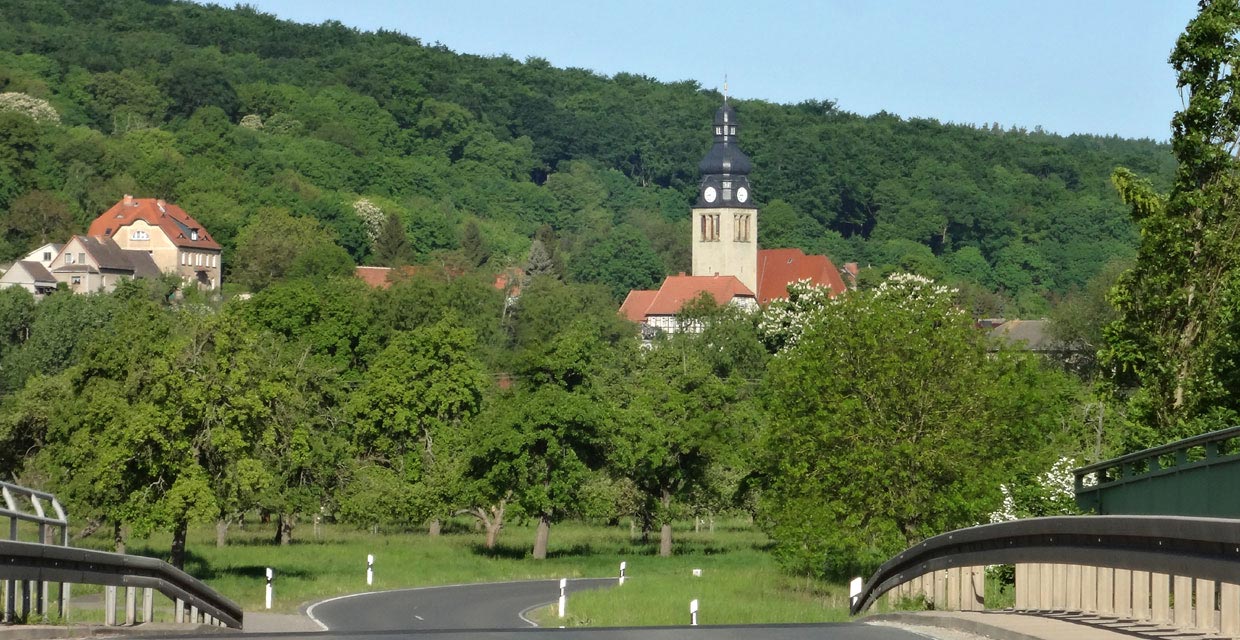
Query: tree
x,y
542,448
36,218
891,419
623,260
392,248
471,243
275,245
1176,339
422,386
676,422
544,440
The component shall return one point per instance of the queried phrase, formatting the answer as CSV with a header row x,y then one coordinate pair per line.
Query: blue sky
x,y
1070,66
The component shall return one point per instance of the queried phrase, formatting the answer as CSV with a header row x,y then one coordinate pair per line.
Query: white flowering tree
x,y
38,109
372,217
891,420
1050,493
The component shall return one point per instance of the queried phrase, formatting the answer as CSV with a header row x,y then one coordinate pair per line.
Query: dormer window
x,y
139,234
718,131
193,235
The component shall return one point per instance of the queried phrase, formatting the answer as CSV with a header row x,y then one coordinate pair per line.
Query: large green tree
x,y
1175,341
891,419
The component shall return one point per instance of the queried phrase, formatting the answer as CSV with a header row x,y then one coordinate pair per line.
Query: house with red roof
x,y
727,264
173,239
657,309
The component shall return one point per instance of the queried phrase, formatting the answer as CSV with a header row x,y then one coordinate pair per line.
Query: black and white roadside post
x,y
370,569
693,609
270,576
854,590
563,595
623,565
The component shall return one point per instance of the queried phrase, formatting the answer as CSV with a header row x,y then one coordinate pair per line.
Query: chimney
x,y
128,199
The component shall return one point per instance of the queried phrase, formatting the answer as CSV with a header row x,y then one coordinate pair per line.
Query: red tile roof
x,y
777,268
677,290
510,280
382,277
636,303
175,223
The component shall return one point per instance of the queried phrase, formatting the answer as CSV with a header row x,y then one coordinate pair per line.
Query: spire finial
x,y
725,88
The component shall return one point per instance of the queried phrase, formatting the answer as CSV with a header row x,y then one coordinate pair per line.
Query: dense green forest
x,y
240,117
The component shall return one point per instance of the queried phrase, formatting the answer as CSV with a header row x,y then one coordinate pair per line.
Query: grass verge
x,y
740,582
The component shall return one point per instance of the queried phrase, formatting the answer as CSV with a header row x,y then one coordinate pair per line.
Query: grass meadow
x,y
740,582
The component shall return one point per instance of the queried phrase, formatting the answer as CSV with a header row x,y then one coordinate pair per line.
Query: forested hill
x,y
240,117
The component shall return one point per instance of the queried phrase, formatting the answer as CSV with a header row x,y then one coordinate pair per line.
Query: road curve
x,y
492,611
496,605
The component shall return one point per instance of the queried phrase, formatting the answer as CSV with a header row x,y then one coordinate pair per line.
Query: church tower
x,y
725,219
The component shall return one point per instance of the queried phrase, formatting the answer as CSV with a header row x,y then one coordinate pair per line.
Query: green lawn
x,y
740,582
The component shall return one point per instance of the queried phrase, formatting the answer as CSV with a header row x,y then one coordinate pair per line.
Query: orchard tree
x,y
677,421
1176,339
891,419
425,384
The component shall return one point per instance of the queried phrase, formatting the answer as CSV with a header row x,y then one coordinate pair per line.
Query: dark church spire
x,y
725,168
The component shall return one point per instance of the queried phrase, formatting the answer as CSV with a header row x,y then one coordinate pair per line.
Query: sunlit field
x,y
740,582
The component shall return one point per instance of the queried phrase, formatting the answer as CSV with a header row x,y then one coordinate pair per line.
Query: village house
x,y
175,242
88,264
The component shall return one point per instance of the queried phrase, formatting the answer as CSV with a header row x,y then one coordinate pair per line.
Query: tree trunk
x,y
540,538
493,528
284,529
436,527
221,532
118,537
179,533
665,534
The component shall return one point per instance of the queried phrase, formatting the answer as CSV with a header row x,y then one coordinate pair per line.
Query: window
x,y
215,261
710,227
197,259
732,130
47,256
740,227
193,235
139,234
82,258
75,280
718,131
68,258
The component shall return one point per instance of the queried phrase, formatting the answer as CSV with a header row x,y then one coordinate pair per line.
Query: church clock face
x,y
742,195
709,194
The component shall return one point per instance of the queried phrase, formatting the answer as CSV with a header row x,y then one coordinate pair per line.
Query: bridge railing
x,y
1130,566
1180,478
27,564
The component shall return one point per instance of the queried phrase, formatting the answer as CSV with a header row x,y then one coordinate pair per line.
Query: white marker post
x,y
693,608
623,565
563,595
370,569
697,573
270,576
854,590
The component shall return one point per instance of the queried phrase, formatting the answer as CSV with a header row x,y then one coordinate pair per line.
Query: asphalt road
x,y
494,612
497,605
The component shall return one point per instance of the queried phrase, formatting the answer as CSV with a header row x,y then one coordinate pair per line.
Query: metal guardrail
x,y
30,561
1205,548
1180,478
42,563
27,505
